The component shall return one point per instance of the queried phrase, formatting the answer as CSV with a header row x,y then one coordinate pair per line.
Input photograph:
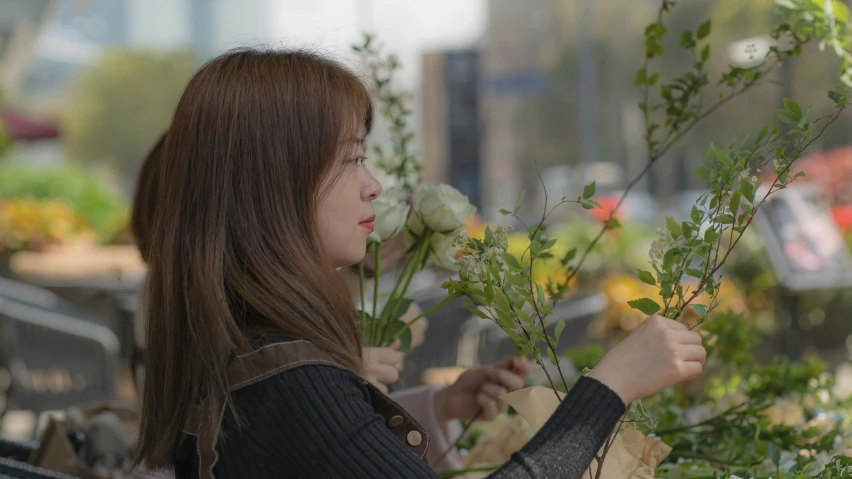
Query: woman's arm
x,y
318,422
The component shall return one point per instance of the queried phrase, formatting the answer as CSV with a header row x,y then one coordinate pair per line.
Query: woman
x,y
253,342
433,407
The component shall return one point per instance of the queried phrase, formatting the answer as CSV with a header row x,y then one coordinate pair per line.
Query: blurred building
x,y
21,22
451,129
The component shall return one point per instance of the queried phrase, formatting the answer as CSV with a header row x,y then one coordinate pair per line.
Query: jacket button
x,y
414,438
395,421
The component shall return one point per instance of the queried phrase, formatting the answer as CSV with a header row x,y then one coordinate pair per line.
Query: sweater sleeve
x,y
317,421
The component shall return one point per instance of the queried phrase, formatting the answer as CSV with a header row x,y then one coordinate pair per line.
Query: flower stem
x,y
376,277
422,249
429,311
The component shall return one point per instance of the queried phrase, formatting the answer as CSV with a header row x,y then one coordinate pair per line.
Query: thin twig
x,y
651,160
771,190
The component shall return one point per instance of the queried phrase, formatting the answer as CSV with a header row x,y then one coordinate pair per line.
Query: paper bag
x,y
632,454
55,451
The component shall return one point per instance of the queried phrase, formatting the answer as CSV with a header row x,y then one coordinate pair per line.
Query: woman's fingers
x,y
385,374
692,352
493,390
505,378
386,356
490,406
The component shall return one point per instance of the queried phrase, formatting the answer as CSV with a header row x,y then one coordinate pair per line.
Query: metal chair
x,y
17,451
22,470
56,359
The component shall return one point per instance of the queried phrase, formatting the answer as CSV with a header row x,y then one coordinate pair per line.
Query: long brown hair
x,y
145,199
234,252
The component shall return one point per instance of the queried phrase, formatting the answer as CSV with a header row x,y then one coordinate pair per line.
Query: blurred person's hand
x,y
659,353
480,389
382,365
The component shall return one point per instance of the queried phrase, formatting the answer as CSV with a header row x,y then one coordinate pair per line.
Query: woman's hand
x,y
659,353
481,389
382,365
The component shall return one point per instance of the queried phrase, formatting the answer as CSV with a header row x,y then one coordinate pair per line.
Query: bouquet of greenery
x,y
427,218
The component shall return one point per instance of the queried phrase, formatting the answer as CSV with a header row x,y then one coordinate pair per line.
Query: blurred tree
x,y
122,104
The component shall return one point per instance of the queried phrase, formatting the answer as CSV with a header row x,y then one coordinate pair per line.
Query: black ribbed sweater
x,y
317,422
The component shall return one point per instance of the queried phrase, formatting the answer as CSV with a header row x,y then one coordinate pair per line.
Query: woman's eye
x,y
360,160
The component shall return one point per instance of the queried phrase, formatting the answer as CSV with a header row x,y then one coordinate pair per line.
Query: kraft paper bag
x,y
632,454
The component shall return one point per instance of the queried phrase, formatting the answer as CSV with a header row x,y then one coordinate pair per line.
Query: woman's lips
x,y
368,223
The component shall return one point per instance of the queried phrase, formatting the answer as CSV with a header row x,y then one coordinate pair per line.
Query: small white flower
x,y
501,237
491,254
461,240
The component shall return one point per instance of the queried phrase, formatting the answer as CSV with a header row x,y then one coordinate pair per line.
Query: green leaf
x,y
793,108
399,328
673,227
723,157
589,190
747,190
696,215
646,305
725,220
569,256
646,277
501,299
520,201
641,77
505,212
705,53
774,453
735,202
686,38
479,313
560,325
489,236
700,309
510,259
704,30
702,172
835,97
712,236
587,206
786,116
695,273
653,79
671,257
708,157
535,247
397,307
687,229
762,133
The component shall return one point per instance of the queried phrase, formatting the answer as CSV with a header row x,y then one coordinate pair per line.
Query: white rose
x,y
442,250
391,213
441,208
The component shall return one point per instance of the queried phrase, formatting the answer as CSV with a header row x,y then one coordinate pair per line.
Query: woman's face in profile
x,y
345,216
